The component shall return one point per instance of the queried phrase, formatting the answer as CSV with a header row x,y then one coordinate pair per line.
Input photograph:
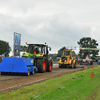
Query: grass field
x,y
55,62
95,63
75,86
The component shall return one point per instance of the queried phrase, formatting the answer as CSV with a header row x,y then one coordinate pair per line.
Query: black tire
x,y
72,65
81,62
91,63
68,66
60,66
87,63
2,73
49,67
75,64
28,73
32,73
41,65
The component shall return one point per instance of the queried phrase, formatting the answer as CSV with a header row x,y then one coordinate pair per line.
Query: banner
x,y
71,47
89,48
75,47
17,40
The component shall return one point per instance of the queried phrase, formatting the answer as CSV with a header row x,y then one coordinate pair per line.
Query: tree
x,y
87,42
60,52
23,48
4,48
54,57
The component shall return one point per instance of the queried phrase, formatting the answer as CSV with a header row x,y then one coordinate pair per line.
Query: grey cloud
x,y
58,23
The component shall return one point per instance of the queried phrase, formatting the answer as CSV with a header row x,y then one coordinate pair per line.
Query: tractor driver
x,y
36,51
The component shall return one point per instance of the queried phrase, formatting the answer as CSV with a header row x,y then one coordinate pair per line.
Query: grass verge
x,y
55,62
77,86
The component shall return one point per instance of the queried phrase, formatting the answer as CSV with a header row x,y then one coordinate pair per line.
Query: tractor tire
x,y
60,66
91,63
87,63
81,62
32,73
2,73
28,73
68,66
72,64
75,64
49,67
41,65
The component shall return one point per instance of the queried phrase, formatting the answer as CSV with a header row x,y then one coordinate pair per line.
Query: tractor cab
x,y
68,53
39,52
36,50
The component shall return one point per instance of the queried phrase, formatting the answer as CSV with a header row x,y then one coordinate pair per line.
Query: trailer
x,y
17,65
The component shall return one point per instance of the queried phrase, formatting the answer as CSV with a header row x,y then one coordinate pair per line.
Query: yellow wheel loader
x,y
68,59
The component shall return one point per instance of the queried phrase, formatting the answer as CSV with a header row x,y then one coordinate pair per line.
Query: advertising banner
x,y
71,47
89,48
17,40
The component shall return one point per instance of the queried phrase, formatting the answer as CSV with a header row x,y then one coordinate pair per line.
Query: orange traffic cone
x,y
91,75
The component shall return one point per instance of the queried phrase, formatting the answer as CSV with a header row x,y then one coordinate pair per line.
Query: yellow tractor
x,y
68,59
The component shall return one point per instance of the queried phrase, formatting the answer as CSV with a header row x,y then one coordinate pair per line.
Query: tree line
x,y
85,42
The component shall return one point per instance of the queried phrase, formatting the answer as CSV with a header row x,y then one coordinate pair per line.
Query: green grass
x,y
55,62
82,87
95,63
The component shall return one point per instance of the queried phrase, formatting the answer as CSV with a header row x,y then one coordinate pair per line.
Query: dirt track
x,y
10,82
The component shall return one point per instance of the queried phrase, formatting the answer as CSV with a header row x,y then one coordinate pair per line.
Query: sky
x,y
57,22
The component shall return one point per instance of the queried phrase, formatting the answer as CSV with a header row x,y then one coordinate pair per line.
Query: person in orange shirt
x,y
36,51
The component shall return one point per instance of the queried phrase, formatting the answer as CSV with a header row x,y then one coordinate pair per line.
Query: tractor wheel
x,y
72,64
41,65
68,66
32,73
91,63
87,63
28,73
75,64
49,67
60,66
81,62
2,73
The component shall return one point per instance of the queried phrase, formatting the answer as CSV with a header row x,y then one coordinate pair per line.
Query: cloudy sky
x,y
57,22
